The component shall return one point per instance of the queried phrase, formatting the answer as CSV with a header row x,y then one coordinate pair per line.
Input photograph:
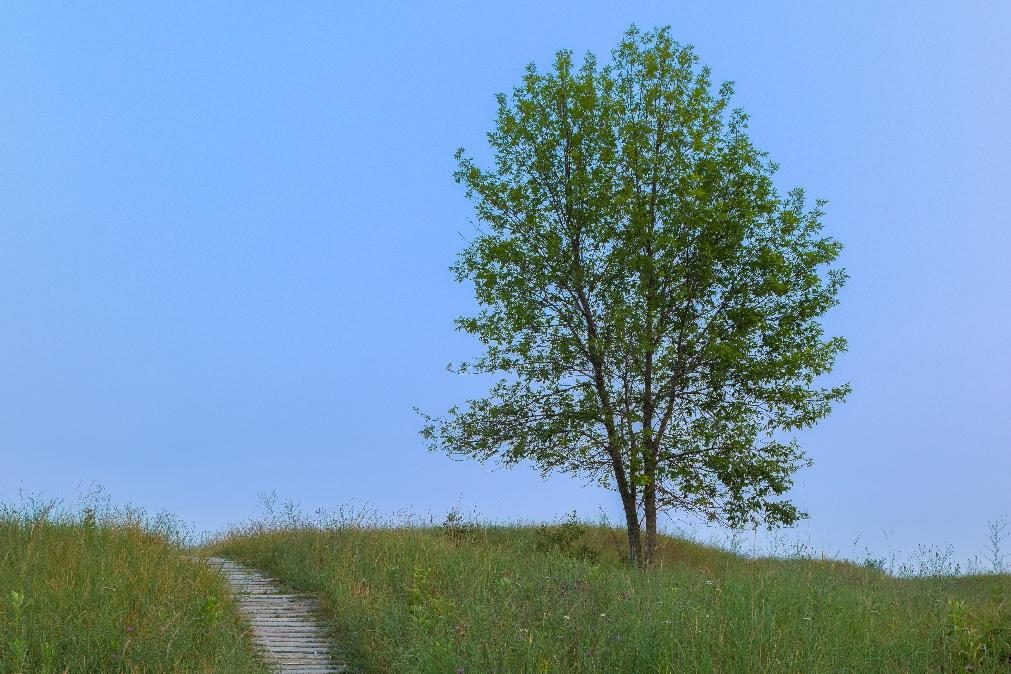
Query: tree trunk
x,y
632,526
649,505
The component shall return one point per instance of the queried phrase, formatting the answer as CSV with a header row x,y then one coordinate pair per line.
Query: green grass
x,y
522,599
112,593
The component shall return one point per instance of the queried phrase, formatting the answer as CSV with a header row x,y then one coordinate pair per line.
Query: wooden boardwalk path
x,y
285,627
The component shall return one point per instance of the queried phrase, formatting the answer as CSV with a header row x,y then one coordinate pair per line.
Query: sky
x,y
225,233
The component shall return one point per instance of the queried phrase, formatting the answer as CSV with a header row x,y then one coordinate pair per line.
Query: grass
x,y
117,591
110,592
467,598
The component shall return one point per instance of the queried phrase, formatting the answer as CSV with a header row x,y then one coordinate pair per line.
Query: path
x,y
285,626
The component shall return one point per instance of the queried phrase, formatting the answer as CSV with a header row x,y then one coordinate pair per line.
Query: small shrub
x,y
565,538
456,529
876,563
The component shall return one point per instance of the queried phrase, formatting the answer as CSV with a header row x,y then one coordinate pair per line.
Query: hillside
x,y
468,598
110,592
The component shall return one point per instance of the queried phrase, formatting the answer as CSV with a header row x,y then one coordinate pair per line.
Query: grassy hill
x,y
120,592
465,598
110,592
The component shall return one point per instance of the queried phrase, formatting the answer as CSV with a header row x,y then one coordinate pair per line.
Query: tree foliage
x,y
649,299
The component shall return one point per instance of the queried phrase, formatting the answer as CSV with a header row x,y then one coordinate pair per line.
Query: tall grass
x,y
110,590
469,598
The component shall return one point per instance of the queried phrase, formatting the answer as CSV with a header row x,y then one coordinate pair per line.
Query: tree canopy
x,y
649,299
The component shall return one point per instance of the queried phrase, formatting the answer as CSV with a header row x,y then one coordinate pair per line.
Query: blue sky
x,y
226,232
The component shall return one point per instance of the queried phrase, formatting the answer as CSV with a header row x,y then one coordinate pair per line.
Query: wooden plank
x,y
285,626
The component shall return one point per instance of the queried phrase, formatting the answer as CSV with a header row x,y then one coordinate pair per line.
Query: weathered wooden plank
x,y
285,626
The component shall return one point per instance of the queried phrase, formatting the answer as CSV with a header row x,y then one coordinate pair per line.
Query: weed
x,y
999,533
110,590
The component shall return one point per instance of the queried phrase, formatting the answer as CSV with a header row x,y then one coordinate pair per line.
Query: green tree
x,y
649,300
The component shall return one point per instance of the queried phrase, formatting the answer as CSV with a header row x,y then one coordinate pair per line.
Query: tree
x,y
648,299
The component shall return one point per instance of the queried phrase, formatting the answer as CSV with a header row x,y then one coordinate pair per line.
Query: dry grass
x,y
110,592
